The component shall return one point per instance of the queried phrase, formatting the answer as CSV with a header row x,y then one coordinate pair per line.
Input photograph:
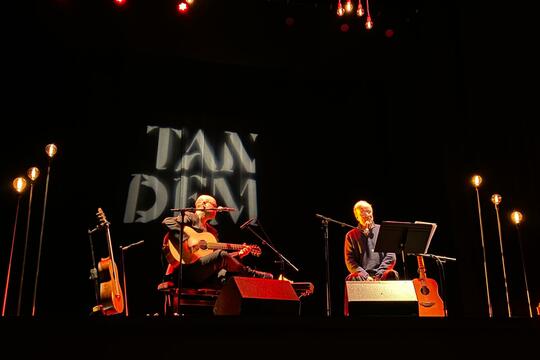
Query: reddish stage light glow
x,y
344,27
289,21
120,2
183,7
389,33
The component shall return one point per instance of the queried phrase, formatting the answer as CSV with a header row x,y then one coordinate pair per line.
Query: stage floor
x,y
276,337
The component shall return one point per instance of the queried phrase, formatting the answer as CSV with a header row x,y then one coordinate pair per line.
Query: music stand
x,y
404,237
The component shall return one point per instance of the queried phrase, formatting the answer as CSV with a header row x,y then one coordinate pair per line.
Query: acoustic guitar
x,y
427,293
198,245
110,292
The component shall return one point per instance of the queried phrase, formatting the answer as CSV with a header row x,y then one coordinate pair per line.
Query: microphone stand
x,y
440,260
181,245
122,250
180,266
267,243
324,227
93,270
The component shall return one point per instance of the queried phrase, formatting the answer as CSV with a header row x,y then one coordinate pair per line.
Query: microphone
x,y
224,208
247,223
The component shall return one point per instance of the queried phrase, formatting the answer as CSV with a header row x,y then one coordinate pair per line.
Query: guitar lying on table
x,y
198,245
427,293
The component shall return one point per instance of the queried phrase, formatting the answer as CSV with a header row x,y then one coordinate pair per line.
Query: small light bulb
x,y
19,184
51,150
369,23
516,217
496,199
340,10
476,180
360,10
33,173
348,6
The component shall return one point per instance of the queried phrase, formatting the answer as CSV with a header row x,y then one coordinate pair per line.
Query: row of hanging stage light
x,y
348,8
182,6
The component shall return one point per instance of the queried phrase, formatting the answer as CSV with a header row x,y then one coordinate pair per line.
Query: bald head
x,y
363,211
204,200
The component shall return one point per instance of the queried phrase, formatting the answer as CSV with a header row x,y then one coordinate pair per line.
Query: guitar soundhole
x,y
424,290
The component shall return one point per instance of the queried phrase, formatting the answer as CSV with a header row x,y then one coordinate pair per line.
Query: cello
x,y
110,292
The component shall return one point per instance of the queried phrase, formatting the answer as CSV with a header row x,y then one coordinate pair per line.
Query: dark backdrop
x,y
402,121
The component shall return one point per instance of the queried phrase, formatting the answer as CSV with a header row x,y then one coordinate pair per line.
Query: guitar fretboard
x,y
221,246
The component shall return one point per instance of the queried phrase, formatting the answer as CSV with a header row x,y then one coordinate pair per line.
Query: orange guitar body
x,y
110,292
427,293
112,300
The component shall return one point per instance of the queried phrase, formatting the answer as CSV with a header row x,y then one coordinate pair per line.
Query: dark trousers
x,y
211,269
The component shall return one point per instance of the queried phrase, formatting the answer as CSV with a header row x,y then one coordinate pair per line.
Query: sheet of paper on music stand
x,y
396,236
392,236
432,232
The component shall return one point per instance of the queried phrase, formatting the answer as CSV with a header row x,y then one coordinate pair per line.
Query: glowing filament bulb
x,y
19,184
360,9
496,199
476,180
340,10
51,150
369,23
348,6
33,173
517,217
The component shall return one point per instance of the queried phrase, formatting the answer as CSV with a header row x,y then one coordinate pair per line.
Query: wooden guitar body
x,y
112,301
199,244
110,292
427,293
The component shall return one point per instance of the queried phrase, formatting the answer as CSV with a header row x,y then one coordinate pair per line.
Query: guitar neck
x,y
224,246
421,267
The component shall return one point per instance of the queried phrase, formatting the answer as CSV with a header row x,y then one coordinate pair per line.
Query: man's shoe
x,y
259,274
166,285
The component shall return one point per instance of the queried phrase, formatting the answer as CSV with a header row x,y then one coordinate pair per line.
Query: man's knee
x,y
390,275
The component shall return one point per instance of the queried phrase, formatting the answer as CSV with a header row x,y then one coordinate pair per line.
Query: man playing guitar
x,y
213,265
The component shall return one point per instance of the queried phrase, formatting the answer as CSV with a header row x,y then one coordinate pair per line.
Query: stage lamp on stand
x,y
33,174
50,150
477,181
19,185
496,200
517,219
